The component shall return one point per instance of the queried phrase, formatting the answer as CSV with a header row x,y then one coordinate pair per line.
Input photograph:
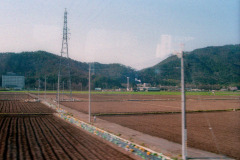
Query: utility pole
x,y
127,83
89,92
63,91
81,86
64,53
58,98
184,125
38,88
45,87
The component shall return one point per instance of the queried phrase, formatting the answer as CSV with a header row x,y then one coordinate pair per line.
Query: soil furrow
x,y
1,107
95,146
52,140
67,144
92,145
20,140
5,155
2,122
3,135
57,139
40,146
28,139
46,139
46,148
71,141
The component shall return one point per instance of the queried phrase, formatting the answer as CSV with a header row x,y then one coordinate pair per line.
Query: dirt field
x,y
48,137
157,104
37,136
215,132
124,97
127,97
14,96
23,107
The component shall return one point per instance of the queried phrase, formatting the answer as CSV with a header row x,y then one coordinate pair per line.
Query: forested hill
x,y
34,65
205,66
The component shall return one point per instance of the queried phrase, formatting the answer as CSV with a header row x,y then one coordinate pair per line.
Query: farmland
x,y
105,104
9,107
48,137
155,115
14,96
25,135
158,115
215,132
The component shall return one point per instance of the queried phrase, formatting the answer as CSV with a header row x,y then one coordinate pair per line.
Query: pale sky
x,y
136,33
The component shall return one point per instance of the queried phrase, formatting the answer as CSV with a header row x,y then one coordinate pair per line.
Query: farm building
x,y
14,81
148,89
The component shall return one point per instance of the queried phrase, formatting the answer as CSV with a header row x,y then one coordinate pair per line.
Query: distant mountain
x,y
205,66
34,65
210,66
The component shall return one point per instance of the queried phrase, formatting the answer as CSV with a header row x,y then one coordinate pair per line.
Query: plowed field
x,y
48,137
127,97
155,105
217,132
35,135
23,107
14,96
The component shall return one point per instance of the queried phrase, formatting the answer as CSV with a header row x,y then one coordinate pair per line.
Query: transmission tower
x,y
64,64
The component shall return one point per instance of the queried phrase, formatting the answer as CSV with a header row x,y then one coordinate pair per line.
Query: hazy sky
x,y
137,33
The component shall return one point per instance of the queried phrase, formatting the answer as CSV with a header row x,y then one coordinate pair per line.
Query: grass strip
x,y
200,93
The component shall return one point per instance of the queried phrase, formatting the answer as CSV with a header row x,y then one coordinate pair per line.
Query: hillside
x,y
34,65
206,66
210,66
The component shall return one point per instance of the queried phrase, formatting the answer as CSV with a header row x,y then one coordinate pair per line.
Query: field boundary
x,y
134,148
203,93
170,112
26,113
124,100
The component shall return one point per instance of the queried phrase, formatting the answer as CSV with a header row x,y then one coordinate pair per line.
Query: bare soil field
x,y
49,137
132,97
142,105
126,97
26,132
216,132
123,97
7,106
14,96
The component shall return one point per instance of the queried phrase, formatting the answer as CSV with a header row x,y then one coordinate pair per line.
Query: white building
x,y
11,80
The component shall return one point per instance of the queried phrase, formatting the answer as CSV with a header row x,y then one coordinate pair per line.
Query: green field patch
x,y
205,93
